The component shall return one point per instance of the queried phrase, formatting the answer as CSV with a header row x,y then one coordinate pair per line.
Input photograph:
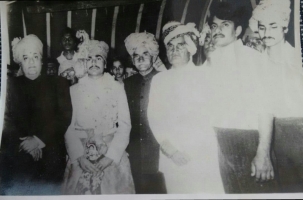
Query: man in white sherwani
x,y
99,133
178,113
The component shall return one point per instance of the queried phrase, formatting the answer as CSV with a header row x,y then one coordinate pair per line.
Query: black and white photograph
x,y
151,97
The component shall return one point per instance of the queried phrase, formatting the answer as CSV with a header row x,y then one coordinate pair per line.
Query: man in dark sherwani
x,y
143,148
38,112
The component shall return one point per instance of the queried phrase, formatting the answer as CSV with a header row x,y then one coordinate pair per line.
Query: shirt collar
x,y
149,75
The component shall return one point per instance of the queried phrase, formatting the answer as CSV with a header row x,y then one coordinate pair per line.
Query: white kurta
x,y
178,111
289,80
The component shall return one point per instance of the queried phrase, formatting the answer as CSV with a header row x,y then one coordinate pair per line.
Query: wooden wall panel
x,y
36,24
194,13
126,24
150,17
104,21
81,20
15,27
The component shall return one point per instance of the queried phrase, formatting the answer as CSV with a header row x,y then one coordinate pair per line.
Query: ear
x,y
285,30
238,31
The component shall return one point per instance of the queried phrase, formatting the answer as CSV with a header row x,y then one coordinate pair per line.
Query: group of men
x,y
246,84
172,144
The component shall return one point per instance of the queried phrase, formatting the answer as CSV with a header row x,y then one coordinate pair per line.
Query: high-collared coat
x,y
143,148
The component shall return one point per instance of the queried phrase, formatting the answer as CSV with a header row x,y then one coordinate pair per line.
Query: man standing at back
x,y
143,149
271,19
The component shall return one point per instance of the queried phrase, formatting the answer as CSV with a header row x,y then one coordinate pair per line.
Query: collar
x,y
62,58
149,75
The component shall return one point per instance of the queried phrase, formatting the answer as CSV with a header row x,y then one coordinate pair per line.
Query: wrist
x,y
263,153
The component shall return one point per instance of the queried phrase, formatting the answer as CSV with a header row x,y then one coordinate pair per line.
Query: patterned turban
x,y
174,29
87,46
29,41
138,40
278,10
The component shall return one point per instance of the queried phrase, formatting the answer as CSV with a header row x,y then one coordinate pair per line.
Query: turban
x,y
138,40
90,46
278,10
174,29
29,41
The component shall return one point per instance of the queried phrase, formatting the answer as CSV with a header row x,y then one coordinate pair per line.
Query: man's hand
x,y
104,163
36,154
28,144
86,165
261,168
180,158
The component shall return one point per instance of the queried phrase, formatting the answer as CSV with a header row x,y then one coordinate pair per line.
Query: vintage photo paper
x,y
167,98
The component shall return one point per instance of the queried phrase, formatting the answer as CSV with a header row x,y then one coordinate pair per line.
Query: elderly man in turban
x,y
178,114
38,112
143,148
271,19
99,133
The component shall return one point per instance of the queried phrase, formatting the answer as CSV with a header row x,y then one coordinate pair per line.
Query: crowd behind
x,y
88,123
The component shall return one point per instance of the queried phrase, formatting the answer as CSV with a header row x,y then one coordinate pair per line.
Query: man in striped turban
x,y
180,42
177,113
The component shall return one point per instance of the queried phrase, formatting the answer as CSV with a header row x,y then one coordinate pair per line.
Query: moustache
x,y
219,34
265,38
94,66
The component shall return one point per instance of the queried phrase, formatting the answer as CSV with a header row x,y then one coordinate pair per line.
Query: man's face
x,y
95,64
177,52
142,59
68,42
224,32
271,32
31,63
117,69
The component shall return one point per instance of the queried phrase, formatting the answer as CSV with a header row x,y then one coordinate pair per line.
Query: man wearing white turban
x,y
271,19
178,116
143,149
38,112
99,132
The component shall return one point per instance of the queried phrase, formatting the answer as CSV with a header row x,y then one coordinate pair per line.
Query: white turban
x,y
175,29
29,41
138,40
278,10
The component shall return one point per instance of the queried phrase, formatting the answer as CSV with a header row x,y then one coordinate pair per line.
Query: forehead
x,y
141,49
177,40
268,22
67,35
94,53
117,63
30,50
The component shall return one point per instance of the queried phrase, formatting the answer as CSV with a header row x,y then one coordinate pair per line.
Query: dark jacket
x,y
143,148
40,107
